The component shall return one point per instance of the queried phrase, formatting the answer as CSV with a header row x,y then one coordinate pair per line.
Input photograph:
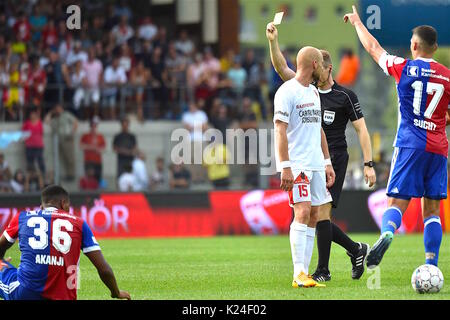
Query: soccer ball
x,y
427,279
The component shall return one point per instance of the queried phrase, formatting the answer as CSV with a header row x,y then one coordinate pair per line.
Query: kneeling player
x,y
50,241
300,146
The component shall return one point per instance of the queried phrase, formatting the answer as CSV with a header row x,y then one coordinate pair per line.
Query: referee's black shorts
x,y
339,160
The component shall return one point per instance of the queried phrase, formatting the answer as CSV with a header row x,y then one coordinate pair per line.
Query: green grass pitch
x,y
250,267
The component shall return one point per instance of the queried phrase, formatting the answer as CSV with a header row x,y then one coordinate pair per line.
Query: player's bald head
x,y
307,56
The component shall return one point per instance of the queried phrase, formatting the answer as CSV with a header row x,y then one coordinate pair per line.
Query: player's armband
x,y
391,65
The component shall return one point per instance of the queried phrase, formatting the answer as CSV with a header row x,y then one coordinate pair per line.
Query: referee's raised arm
x,y
277,58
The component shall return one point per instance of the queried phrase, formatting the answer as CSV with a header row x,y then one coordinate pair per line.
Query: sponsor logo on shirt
x,y
310,116
430,73
305,105
412,71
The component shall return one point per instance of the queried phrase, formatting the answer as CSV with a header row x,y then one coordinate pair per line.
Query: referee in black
x,y
339,105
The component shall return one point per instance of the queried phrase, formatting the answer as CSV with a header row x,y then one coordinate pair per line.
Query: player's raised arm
x,y
368,41
106,274
277,58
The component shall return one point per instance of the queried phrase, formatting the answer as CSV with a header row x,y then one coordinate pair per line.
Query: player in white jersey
x,y
302,157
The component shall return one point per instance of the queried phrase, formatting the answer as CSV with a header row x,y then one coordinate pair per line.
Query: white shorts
x,y
309,186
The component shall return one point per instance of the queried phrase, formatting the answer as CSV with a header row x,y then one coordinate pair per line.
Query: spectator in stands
x,y
34,144
123,31
89,181
349,69
37,21
22,28
34,181
176,65
238,77
15,94
184,44
140,172
76,54
5,175
383,166
248,122
158,177
78,82
146,53
50,37
160,81
162,41
147,30
227,60
215,160
18,181
4,28
65,46
127,181
114,77
54,77
256,78
249,60
196,121
194,75
219,119
93,145
179,177
211,67
93,68
64,125
139,79
125,146
126,58
97,30
122,9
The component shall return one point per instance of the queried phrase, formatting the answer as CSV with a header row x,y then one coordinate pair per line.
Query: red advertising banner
x,y
412,220
122,215
229,212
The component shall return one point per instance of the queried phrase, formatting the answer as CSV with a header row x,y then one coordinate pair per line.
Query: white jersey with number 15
x,y
299,107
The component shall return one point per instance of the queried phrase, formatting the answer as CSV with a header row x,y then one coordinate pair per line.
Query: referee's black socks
x,y
343,240
324,234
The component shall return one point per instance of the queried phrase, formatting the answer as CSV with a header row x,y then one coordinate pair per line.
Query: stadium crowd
x,y
118,65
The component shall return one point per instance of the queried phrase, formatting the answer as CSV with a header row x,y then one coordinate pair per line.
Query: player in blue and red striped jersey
x,y
50,241
419,162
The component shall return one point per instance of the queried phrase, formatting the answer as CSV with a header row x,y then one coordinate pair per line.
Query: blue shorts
x,y
417,173
10,288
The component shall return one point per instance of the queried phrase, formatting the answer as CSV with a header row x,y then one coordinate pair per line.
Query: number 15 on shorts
x,y
300,193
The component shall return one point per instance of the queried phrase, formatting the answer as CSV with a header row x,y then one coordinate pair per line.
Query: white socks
x,y
310,236
297,237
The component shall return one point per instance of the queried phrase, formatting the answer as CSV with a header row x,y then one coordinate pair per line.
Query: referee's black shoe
x,y
359,260
321,275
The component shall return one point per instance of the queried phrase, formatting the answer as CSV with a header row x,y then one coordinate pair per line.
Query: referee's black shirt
x,y
339,105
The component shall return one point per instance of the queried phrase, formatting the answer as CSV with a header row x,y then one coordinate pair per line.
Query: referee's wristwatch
x,y
369,164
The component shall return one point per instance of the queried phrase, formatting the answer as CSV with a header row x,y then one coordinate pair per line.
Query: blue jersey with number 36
x,y
50,242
